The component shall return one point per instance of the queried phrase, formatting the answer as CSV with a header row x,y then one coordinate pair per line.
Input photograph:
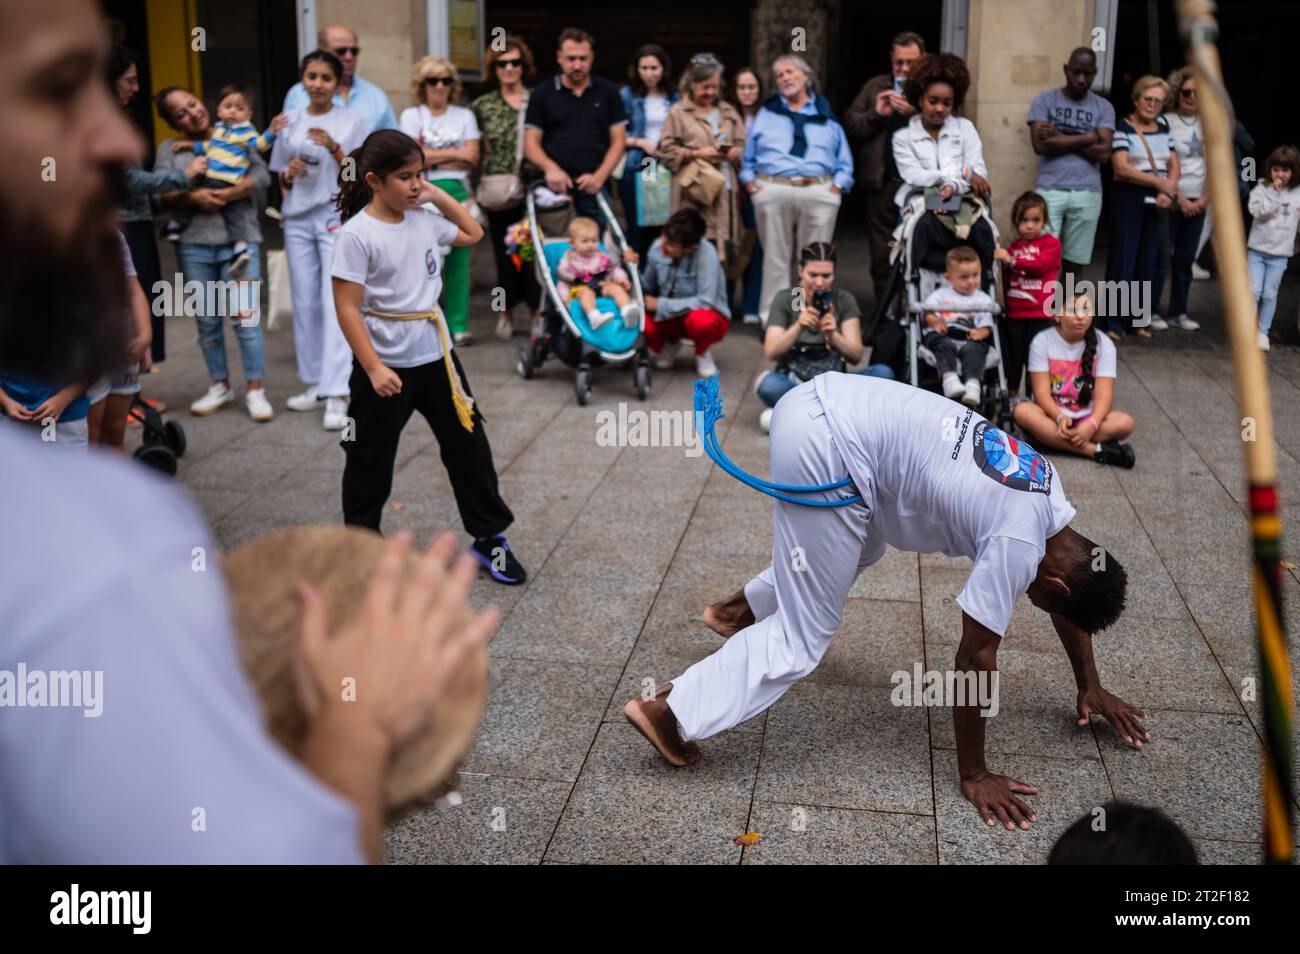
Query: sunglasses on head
x,y
438,81
345,50
507,64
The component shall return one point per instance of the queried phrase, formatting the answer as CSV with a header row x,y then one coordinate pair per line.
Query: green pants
x,y
455,269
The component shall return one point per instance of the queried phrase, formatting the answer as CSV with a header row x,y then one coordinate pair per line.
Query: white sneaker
x,y
259,408
1158,324
306,401
462,339
952,386
1200,274
631,313
971,397
663,361
765,420
336,413
751,319
705,366
505,328
1263,342
218,396
1183,323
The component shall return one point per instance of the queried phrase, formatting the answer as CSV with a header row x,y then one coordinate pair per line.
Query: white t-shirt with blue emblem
x,y
400,265
939,478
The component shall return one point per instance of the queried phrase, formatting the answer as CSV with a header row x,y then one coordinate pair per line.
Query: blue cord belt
x,y
708,411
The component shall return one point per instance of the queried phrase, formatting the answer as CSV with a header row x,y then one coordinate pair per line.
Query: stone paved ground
x,y
625,546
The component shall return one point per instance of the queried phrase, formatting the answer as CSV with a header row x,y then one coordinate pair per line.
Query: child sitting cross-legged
x,y
1072,370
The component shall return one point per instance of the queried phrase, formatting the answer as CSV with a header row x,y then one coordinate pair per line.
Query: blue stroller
x,y
564,330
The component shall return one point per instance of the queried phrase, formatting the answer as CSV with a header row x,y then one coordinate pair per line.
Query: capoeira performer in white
x,y
933,477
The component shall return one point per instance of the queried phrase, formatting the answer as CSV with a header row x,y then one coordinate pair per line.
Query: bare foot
x,y
657,723
729,616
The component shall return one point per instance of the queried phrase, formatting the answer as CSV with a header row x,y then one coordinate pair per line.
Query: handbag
x,y
701,182
503,190
808,361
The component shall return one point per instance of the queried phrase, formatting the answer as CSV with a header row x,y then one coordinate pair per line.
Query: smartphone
x,y
936,201
821,302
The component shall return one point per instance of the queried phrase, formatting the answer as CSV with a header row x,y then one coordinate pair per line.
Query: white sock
x,y
630,314
950,378
972,382
596,318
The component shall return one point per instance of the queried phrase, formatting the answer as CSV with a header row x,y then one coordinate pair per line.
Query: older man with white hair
x,y
354,91
797,164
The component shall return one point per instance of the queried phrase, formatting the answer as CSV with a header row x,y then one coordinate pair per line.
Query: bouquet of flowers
x,y
519,244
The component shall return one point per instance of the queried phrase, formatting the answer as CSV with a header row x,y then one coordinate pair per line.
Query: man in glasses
x,y
575,127
354,91
1071,129
879,110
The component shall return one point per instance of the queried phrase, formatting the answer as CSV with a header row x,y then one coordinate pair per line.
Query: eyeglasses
x,y
508,64
439,81
345,50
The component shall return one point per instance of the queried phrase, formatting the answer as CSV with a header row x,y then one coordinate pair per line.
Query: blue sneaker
x,y
495,555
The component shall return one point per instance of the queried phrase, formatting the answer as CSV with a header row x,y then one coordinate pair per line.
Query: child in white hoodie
x,y
1275,204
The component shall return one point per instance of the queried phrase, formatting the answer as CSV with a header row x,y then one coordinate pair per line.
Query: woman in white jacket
x,y
1275,205
939,151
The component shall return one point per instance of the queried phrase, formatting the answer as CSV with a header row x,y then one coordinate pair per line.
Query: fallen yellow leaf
x,y
1288,565
398,506
749,839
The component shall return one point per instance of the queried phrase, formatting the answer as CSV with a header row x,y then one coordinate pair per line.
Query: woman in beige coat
x,y
703,139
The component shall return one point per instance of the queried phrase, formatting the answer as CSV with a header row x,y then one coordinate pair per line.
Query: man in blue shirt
x,y
797,164
354,92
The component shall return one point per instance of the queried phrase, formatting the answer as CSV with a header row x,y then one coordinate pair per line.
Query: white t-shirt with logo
x,y
939,478
347,127
451,130
400,265
1063,363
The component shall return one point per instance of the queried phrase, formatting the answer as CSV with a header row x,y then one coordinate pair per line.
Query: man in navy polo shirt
x,y
575,125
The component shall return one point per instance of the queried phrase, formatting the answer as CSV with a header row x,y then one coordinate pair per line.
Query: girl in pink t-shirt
x,y
1072,370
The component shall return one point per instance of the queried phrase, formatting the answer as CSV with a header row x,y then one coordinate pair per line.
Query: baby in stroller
x,y
957,331
585,271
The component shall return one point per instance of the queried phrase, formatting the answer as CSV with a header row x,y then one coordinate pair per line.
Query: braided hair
x,y
383,153
817,252
1089,357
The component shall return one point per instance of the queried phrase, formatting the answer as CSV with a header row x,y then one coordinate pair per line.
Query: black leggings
x,y
1016,334
932,240
378,422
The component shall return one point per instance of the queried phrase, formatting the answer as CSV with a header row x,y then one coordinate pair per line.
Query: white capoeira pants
x,y
798,601
324,358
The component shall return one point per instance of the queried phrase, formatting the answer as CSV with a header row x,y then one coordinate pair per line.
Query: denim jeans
x,y
776,383
211,263
1266,273
1184,239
